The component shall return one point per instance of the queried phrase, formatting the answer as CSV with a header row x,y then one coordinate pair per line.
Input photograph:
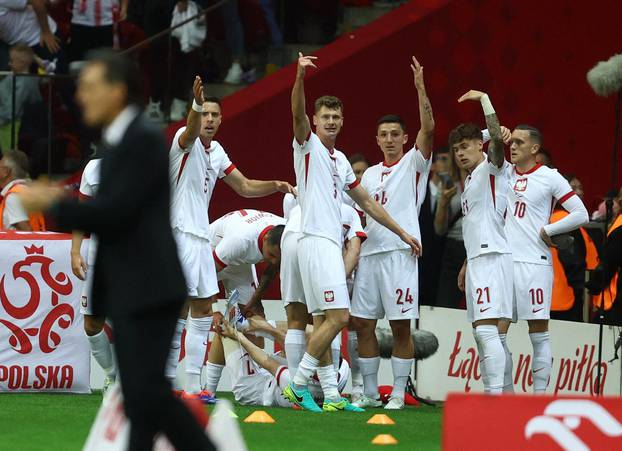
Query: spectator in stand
x,y
13,178
569,266
359,164
601,211
448,224
27,21
92,24
21,58
544,157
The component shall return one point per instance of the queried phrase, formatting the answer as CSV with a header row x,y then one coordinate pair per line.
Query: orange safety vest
x,y
563,294
36,220
609,294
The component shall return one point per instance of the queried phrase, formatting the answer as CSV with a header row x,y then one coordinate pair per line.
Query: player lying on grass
x,y
258,378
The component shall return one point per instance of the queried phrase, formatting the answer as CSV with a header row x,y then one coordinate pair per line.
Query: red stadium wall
x,y
530,56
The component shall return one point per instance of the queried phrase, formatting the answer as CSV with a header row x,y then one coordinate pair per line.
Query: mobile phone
x,y
446,179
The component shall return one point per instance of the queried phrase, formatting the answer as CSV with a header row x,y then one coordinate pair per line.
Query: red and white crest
x,y
520,185
329,296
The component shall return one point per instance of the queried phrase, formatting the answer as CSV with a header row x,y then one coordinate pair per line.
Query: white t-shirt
x,y
89,184
531,199
18,23
321,176
94,13
237,237
400,188
13,212
484,202
193,173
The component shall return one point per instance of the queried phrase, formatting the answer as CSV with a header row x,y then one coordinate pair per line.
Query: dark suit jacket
x,y
137,267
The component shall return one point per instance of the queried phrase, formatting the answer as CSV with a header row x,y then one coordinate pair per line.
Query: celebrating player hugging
x,y
329,246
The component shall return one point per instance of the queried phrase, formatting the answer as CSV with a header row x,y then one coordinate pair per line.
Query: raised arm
x,y
193,123
256,188
495,148
425,137
302,126
373,209
267,277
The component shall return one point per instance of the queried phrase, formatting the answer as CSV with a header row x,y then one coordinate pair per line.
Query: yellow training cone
x,y
384,439
380,418
259,416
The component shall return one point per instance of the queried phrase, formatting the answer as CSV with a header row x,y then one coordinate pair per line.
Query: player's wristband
x,y
487,105
196,107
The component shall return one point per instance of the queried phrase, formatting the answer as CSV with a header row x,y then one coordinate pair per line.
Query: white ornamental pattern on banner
x,y
42,345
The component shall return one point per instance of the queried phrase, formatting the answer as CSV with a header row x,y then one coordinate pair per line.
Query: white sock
x,y
306,369
102,352
173,355
542,361
369,371
197,334
328,380
295,347
494,356
401,371
482,367
353,352
508,379
212,376
335,351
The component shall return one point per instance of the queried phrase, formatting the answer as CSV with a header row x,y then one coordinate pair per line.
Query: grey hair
x,y
17,162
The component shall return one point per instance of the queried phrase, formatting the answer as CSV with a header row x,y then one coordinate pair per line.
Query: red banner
x,y
515,422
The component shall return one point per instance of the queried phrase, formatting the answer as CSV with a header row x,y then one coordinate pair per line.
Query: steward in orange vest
x,y
36,220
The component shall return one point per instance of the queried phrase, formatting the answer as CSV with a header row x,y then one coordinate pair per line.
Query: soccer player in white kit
x,y
387,278
100,345
242,239
197,161
322,173
534,190
486,275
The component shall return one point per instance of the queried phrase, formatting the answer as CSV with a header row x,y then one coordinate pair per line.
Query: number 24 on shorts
x,y
407,297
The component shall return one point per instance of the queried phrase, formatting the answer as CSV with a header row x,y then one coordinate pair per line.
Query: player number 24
x,y
407,297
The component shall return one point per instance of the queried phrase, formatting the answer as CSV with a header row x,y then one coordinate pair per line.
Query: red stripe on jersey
x,y
222,264
243,213
362,236
553,202
278,375
230,169
567,196
261,235
354,184
417,177
181,166
534,169
492,189
307,156
98,13
346,226
386,165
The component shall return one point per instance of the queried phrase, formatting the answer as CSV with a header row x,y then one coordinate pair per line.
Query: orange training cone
x,y
380,418
384,439
259,416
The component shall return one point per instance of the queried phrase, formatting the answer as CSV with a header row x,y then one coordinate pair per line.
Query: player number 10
x,y
519,209
537,296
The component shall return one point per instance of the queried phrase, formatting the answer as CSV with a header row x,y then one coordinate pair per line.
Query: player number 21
x,y
400,294
480,295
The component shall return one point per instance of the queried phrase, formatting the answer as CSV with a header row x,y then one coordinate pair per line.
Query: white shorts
x,y
323,274
387,284
242,278
489,287
291,281
86,301
533,287
197,264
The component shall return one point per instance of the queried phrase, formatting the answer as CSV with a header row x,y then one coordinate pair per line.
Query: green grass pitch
x,y
30,422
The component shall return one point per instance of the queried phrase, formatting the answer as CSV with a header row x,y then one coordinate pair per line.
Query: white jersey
x,y
484,202
94,13
88,188
237,237
193,173
321,176
400,188
531,199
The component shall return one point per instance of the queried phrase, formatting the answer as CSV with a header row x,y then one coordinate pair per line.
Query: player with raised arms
x,y
486,275
534,190
322,173
197,161
387,277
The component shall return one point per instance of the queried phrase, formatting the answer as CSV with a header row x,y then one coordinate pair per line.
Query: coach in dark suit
x,y
138,282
